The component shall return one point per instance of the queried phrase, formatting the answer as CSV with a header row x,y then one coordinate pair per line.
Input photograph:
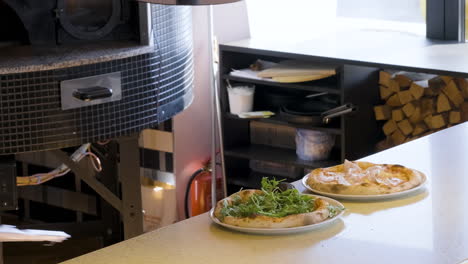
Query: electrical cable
x,y
95,161
63,169
104,142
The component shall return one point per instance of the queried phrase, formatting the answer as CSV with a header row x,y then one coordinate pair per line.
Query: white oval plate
x,y
283,231
373,197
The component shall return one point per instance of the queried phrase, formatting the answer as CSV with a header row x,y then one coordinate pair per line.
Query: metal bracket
x,y
84,173
130,206
129,171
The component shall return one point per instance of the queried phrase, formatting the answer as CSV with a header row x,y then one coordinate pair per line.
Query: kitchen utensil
x,y
318,113
296,71
283,186
274,99
335,112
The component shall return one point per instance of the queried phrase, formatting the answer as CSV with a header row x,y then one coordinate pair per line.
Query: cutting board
x,y
294,71
306,78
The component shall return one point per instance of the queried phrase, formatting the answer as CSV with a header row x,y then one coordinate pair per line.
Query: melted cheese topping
x,y
352,174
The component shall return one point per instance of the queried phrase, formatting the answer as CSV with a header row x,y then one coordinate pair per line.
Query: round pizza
x,y
364,178
273,208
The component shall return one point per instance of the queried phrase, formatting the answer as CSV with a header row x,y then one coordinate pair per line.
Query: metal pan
x,y
275,99
336,112
315,118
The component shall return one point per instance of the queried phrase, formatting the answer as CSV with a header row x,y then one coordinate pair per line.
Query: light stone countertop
x,y
430,227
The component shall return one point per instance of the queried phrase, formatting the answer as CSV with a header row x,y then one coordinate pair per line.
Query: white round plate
x,y
283,231
373,197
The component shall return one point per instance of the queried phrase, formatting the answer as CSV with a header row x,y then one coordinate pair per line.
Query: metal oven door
x,y
89,19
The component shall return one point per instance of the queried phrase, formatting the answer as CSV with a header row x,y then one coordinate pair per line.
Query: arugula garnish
x,y
272,202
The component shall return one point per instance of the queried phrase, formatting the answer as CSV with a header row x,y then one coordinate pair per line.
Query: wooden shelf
x,y
279,155
325,85
277,120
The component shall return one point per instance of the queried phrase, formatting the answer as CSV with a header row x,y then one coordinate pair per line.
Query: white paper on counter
x,y
9,233
250,74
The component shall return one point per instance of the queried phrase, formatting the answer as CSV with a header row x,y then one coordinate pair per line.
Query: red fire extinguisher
x,y
198,192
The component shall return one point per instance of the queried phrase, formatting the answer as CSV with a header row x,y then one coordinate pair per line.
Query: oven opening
x,y
89,19
88,15
15,33
57,22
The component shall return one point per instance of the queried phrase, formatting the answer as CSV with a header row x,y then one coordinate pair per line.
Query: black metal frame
x,y
445,20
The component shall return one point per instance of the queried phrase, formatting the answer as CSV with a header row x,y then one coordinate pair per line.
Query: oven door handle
x,y
92,93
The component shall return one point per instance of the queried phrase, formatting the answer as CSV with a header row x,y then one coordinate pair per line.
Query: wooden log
x,y
427,106
394,100
405,97
416,117
409,109
397,114
397,137
384,78
446,79
462,85
452,92
436,84
405,127
416,90
382,112
443,104
464,111
403,81
389,127
385,92
428,121
419,128
430,92
394,86
454,117
438,121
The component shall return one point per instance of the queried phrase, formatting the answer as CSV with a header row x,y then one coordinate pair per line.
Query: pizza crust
x,y
364,178
320,214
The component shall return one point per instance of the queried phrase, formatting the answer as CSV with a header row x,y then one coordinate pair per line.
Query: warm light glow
x,y
157,189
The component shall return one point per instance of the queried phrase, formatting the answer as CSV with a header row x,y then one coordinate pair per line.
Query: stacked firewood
x,y
414,109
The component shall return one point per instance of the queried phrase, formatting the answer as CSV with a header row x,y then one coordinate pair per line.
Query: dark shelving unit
x,y
355,134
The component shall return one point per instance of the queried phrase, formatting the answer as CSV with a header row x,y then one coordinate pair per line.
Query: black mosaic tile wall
x,y
174,40
31,118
